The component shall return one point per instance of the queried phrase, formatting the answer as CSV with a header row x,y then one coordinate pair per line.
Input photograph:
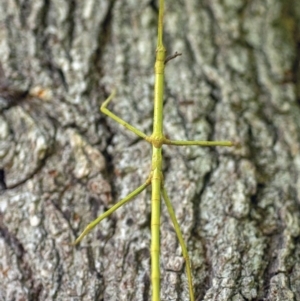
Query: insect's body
x,y
157,177
157,139
155,224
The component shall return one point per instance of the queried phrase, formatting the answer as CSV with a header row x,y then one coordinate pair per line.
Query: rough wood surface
x,y
63,163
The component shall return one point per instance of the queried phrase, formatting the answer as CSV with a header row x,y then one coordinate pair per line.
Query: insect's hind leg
x,y
181,242
95,222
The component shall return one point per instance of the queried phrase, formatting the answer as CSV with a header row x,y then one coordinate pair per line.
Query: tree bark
x,y
63,163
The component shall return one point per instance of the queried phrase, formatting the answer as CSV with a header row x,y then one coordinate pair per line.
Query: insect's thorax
x,y
159,91
156,159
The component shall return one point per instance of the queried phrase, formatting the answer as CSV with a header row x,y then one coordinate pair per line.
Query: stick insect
x,y
155,178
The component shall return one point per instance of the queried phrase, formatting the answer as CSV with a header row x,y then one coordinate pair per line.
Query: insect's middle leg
x,y
199,143
107,112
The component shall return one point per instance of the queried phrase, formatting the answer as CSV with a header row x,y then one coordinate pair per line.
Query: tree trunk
x,y
63,162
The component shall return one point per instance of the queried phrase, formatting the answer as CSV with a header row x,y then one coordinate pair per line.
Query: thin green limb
x,y
181,242
117,119
160,24
95,222
199,143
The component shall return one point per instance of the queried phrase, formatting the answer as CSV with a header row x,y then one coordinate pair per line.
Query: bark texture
x,y
63,163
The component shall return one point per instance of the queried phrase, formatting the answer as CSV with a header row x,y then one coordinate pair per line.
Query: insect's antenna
x,y
160,24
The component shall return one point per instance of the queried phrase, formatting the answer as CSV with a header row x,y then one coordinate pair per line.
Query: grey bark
x,y
63,163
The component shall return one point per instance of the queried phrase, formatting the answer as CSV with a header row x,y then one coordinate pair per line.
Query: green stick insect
x,y
155,179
